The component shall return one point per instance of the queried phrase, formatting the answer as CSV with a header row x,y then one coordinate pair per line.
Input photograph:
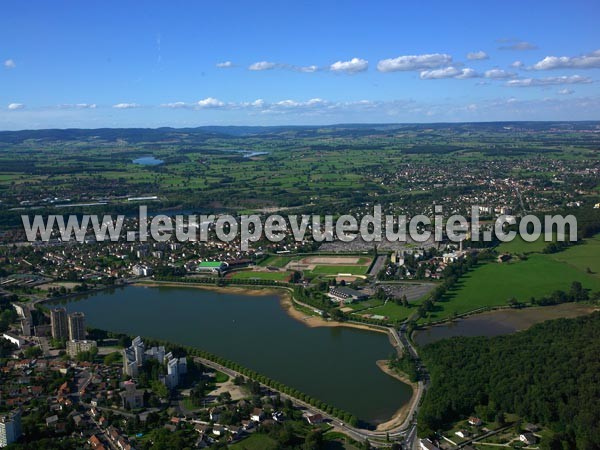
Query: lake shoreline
x,y
287,305
285,301
512,320
401,414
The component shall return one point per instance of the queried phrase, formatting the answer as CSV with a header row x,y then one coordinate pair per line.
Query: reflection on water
x,y
337,365
499,322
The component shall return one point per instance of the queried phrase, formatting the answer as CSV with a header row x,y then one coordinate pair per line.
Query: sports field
x,y
260,275
331,265
334,270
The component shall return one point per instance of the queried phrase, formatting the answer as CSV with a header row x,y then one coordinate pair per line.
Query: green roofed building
x,y
216,267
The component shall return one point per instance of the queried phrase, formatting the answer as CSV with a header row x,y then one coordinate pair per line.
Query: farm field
x,y
583,256
519,246
492,284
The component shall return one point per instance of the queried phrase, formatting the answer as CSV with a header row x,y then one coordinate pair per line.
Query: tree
x,y
33,352
314,440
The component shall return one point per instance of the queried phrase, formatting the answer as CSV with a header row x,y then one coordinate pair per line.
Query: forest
x,y
548,375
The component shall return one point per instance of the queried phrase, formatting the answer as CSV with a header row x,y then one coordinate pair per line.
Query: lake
x,y
334,364
148,161
495,323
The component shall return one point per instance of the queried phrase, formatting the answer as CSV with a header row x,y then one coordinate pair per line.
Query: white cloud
x,y
225,65
126,105
448,72
15,106
474,56
565,91
77,106
175,105
306,69
355,65
414,62
588,61
498,74
210,102
548,81
10,64
518,45
262,65
517,65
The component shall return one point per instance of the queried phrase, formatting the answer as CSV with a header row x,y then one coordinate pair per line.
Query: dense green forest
x,y
549,374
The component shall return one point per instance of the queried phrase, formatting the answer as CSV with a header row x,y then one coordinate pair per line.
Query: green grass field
x,y
392,311
583,256
492,284
252,275
335,269
255,442
518,245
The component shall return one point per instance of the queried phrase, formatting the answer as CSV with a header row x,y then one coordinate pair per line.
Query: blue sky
x,y
124,63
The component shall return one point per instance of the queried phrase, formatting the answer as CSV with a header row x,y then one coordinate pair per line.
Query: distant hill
x,y
200,134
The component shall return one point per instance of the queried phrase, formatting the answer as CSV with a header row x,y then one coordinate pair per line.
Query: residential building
x,y
314,419
475,421
176,368
76,346
10,428
528,438
157,353
426,444
58,322
77,326
142,271
132,397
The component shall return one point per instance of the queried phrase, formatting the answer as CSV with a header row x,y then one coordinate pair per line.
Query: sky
x,y
74,64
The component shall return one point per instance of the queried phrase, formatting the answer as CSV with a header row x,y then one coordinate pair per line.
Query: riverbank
x,y
401,415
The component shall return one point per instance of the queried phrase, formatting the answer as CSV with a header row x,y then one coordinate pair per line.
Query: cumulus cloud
x,y
448,72
518,45
10,64
15,106
210,102
548,81
588,61
126,106
474,56
517,65
262,65
498,74
414,62
354,65
225,65
77,106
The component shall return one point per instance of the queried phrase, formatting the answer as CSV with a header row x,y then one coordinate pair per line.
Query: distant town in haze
x,y
300,226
